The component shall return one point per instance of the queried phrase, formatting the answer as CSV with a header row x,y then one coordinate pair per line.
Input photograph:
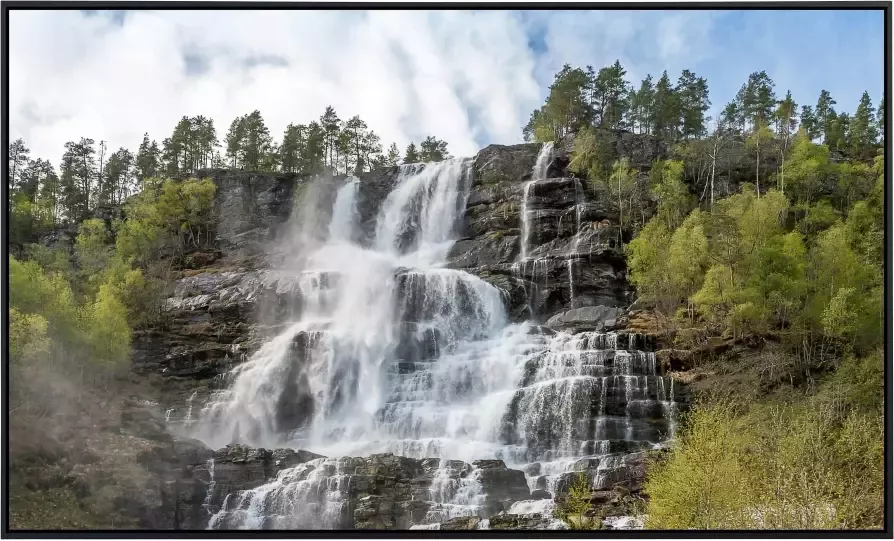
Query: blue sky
x,y
469,78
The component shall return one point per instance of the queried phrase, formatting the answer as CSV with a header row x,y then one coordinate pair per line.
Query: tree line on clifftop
x,y
42,197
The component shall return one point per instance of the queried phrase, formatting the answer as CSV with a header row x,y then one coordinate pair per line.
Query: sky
x,y
470,78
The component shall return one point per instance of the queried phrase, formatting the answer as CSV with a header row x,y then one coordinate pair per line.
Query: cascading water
x,y
537,266
391,352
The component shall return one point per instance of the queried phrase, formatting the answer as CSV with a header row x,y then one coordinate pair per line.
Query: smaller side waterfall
x,y
539,172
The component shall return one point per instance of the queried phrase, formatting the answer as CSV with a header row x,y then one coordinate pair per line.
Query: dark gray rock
x,y
589,318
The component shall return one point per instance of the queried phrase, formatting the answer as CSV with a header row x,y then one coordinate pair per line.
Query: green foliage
x,y
576,504
807,465
707,481
666,185
28,340
107,330
646,259
93,248
567,108
591,157
668,268
433,150
95,331
52,260
807,169
817,217
172,214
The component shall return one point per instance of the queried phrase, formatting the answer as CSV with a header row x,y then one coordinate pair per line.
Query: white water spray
x,y
390,351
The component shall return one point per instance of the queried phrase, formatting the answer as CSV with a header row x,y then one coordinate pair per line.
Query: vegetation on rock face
x,y
72,315
573,510
815,463
794,258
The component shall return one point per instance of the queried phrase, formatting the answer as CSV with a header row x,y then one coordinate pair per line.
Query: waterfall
x,y
342,224
388,351
539,172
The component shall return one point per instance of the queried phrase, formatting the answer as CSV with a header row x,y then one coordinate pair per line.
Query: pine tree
x,y
785,116
293,146
234,141
147,159
18,159
666,111
759,100
49,195
880,120
694,103
731,118
356,128
78,174
567,107
411,156
117,177
256,146
313,158
863,134
432,150
809,123
331,126
393,156
611,95
838,136
641,105
786,123
825,114
344,147
372,149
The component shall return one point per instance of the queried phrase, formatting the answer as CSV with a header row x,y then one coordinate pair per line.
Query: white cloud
x,y
467,78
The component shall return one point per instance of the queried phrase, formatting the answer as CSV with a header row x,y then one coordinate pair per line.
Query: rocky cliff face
x,y
572,279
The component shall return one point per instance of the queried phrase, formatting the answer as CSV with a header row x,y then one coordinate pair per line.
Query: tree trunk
x,y
713,164
758,172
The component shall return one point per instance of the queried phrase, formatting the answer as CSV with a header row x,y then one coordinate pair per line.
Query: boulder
x,y
595,318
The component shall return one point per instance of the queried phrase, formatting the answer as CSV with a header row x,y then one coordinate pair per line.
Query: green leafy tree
x,y
758,144
574,507
786,123
666,185
808,169
591,157
93,248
